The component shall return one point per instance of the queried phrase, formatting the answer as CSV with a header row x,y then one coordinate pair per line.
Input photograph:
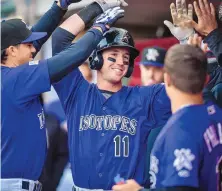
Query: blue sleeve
x,y
48,23
81,50
157,104
61,39
72,57
181,158
214,41
27,82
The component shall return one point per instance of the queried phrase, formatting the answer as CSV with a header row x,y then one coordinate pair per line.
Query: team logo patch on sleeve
x,y
34,62
183,162
211,110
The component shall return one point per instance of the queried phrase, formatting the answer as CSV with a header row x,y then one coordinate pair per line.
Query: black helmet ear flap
x,y
130,69
96,61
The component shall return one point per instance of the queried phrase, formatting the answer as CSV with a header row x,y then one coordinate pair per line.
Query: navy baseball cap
x,y
15,31
153,56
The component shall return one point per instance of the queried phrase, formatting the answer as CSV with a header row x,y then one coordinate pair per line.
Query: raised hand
x,y
197,41
180,14
180,27
108,18
206,17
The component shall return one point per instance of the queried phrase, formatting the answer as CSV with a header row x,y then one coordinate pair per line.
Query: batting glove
x,y
107,4
180,16
182,34
65,3
108,18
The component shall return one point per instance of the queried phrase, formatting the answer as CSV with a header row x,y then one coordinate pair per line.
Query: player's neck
x,y
179,100
10,63
105,85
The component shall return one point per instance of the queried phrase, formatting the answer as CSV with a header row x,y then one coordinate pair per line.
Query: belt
x,y
26,186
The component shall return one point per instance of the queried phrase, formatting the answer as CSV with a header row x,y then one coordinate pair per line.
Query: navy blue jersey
x,y
213,41
23,136
188,150
109,136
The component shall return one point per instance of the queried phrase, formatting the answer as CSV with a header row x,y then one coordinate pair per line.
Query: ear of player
x,y
104,4
109,18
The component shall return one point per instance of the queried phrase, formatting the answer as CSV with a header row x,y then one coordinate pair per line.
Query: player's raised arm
x,y
51,19
207,26
38,75
67,31
78,52
47,23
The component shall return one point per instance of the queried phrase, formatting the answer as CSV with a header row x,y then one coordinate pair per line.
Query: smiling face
x,y
115,65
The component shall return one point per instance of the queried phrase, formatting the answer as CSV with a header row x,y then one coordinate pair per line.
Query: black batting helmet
x,y
115,37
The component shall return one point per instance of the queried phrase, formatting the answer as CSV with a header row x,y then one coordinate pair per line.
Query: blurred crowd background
x,y
143,19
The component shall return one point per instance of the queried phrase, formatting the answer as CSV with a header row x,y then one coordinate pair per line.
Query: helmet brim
x,y
133,51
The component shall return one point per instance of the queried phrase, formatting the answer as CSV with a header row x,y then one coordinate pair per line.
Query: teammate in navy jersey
x,y
23,143
108,123
187,154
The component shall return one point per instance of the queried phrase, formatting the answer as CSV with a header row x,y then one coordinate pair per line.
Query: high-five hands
x,y
108,18
181,28
206,15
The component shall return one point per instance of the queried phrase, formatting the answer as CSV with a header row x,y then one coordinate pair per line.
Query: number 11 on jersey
x,y
121,146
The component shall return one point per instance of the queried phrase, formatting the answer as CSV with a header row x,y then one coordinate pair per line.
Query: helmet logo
x,y
126,38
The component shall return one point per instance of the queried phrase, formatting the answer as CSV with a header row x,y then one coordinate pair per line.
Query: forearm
x,y
48,23
71,58
74,24
61,39
82,18
71,27
214,41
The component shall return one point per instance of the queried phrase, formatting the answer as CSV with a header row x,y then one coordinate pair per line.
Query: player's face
x,y
151,75
115,66
25,53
